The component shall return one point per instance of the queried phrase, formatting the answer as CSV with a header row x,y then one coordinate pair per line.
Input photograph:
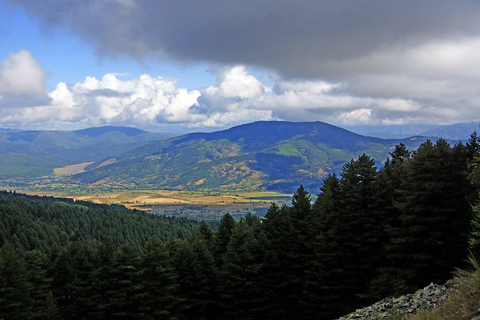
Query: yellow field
x,y
70,170
167,197
141,198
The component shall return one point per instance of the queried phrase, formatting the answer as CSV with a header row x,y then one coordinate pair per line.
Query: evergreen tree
x,y
15,302
49,309
388,281
435,214
36,265
243,288
104,278
287,231
222,237
195,269
127,295
325,290
276,228
205,233
361,232
73,281
474,237
159,283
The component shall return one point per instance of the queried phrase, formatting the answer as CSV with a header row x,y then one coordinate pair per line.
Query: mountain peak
x,y
98,131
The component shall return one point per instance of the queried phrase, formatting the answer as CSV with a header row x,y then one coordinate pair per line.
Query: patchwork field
x,y
204,205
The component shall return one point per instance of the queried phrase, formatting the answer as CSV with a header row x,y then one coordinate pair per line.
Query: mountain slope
x,y
458,131
268,155
50,149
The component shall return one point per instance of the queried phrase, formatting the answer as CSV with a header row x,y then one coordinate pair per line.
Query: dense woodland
x,y
371,232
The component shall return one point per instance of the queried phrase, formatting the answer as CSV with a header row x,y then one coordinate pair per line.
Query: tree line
x,y
370,233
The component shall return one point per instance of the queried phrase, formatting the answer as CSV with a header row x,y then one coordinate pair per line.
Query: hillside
x,y
36,153
267,155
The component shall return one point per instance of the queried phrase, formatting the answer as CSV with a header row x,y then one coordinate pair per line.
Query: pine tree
x,y
388,280
36,265
127,294
159,283
474,237
276,228
286,229
361,232
434,215
242,286
325,290
206,234
222,237
104,278
49,309
72,281
15,301
195,269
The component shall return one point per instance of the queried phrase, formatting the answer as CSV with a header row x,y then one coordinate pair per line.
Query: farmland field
x,y
204,205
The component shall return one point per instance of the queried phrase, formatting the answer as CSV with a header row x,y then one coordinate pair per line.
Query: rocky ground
x,y
428,297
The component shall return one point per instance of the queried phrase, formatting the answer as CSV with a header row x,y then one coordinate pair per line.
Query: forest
x,y
371,232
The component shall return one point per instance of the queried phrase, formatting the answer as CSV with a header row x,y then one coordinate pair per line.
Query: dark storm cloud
x,y
294,38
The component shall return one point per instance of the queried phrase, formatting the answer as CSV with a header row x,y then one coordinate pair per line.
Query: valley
x,y
201,175
197,205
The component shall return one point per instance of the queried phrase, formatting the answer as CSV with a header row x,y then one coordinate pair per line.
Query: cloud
x,y
301,38
238,97
21,74
352,52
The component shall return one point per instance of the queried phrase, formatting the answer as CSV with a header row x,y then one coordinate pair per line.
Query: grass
x,y
462,304
141,199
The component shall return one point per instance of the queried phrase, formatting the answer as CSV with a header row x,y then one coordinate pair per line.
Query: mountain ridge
x,y
271,155
50,149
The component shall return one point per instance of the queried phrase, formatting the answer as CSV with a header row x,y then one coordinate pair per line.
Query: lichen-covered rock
x,y
426,298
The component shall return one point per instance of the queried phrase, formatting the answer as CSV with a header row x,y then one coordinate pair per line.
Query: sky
x,y
173,66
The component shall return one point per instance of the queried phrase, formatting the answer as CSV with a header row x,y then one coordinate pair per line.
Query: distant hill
x,y
35,152
392,131
98,131
458,131
268,155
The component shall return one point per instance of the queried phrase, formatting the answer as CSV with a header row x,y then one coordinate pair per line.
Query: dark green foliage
x,y
31,222
206,234
243,275
326,288
222,237
127,291
195,269
73,284
159,282
434,215
15,301
360,233
36,264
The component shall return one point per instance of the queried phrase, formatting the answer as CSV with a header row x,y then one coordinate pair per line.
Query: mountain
x,y
267,155
98,131
458,131
34,153
392,131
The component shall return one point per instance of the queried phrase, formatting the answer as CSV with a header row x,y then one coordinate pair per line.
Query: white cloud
x,y
237,98
21,74
236,82
356,117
